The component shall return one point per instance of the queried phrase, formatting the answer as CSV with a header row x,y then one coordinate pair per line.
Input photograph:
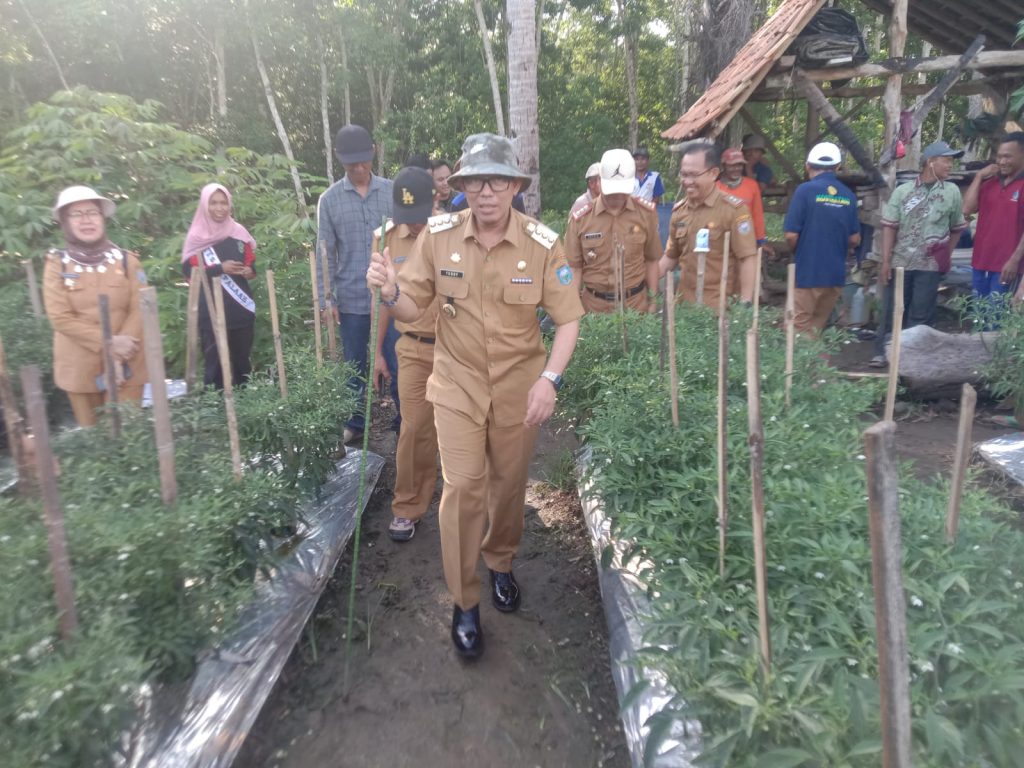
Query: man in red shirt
x,y
997,195
733,182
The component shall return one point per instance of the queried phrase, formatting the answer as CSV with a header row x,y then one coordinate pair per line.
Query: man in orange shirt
x,y
733,182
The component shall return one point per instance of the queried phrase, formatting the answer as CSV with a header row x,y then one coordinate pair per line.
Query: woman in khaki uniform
x,y
74,278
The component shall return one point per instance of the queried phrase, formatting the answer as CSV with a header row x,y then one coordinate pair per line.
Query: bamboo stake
x,y
221,332
756,443
673,374
702,264
154,347
890,607
757,288
33,287
723,386
316,309
15,425
109,374
894,353
968,399
790,320
282,382
192,329
332,339
53,514
619,257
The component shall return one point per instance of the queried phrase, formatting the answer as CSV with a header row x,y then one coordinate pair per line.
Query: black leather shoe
x,y
504,591
467,634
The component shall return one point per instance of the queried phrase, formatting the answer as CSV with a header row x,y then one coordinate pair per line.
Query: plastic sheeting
x,y
624,596
206,725
1005,454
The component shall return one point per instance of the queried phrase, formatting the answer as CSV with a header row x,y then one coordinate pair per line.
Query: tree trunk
x,y
222,79
344,69
522,94
492,71
46,45
629,48
540,23
278,124
324,110
892,99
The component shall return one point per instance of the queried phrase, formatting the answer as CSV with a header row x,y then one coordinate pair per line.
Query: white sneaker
x,y
402,529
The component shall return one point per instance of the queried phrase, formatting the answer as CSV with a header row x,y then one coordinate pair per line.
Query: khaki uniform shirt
x,y
71,293
489,350
400,242
718,213
591,237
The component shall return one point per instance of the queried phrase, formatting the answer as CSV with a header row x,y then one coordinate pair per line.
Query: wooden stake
x,y
894,353
723,404
221,332
33,288
673,374
316,309
53,514
15,425
154,347
192,329
619,257
887,579
790,320
757,288
962,457
332,339
109,374
756,443
702,263
282,382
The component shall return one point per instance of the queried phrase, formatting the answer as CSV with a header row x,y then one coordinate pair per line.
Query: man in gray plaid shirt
x,y
347,214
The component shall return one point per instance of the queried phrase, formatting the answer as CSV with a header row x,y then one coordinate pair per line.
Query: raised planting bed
x,y
819,704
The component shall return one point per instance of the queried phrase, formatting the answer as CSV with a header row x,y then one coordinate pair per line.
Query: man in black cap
x,y
492,383
649,185
347,214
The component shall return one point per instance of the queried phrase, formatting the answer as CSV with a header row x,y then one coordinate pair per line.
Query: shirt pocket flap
x,y
523,294
452,287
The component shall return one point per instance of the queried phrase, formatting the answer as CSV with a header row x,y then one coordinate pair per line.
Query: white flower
x,y
916,601
4,539
123,556
58,694
925,666
123,596
819,575
954,649
1017,585
860,457
787,466
851,662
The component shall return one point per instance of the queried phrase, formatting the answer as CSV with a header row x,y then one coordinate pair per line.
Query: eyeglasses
x,y
475,184
687,177
82,215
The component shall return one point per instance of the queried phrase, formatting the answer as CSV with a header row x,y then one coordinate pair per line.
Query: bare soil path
x,y
541,695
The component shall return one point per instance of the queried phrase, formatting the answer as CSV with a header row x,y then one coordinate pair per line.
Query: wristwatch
x,y
554,378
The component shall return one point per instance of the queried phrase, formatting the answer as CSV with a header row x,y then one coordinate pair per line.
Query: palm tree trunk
x,y
492,71
629,48
324,109
522,94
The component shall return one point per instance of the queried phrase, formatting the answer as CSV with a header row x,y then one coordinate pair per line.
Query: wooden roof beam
x,y
983,85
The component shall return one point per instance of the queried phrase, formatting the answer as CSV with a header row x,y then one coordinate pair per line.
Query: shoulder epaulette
x,y
732,200
679,204
583,211
542,234
645,203
388,228
443,222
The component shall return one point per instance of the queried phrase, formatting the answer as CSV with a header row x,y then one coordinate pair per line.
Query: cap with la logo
x,y
413,196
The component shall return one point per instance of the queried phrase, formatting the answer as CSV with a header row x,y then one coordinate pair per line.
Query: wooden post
x,y
702,266
154,347
757,288
723,406
790,319
673,374
892,101
15,427
33,288
192,329
109,373
316,309
53,514
756,443
332,337
968,399
282,382
221,332
619,258
890,607
894,353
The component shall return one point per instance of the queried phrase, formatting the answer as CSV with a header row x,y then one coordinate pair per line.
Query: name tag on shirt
x,y
452,273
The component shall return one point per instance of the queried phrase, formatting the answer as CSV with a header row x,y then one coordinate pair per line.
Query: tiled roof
x,y
712,111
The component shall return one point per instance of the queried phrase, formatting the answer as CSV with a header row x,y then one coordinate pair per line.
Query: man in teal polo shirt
x,y
821,227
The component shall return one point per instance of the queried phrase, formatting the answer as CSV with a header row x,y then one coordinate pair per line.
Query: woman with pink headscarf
x,y
226,251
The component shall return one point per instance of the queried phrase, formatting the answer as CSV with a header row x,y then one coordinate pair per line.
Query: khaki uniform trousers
x,y
84,404
592,303
485,468
416,454
812,308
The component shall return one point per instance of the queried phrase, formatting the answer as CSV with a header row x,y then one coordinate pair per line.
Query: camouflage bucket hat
x,y
486,154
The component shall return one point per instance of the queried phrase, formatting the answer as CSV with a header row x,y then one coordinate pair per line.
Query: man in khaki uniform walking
x,y
416,454
699,223
615,232
490,268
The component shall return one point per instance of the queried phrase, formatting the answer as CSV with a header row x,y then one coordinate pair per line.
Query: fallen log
x,y
937,364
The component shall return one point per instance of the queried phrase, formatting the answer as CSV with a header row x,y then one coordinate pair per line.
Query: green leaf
x,y
784,758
